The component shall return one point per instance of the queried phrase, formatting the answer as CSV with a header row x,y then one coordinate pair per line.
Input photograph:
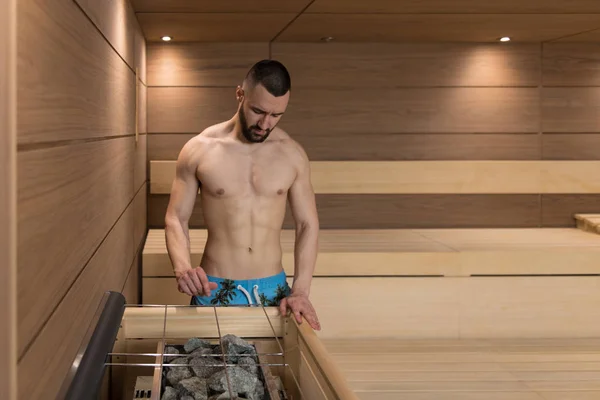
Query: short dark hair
x,y
272,75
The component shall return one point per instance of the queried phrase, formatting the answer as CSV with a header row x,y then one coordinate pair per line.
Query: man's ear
x,y
239,93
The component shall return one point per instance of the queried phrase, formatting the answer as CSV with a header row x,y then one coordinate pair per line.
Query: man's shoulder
x,y
293,149
203,141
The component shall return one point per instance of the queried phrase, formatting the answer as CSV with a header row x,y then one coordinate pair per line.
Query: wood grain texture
x,y
355,211
419,252
472,360
140,50
202,64
71,83
456,6
588,36
407,110
84,187
436,27
44,366
139,210
8,203
444,308
571,110
132,286
560,209
142,108
389,65
178,109
139,167
213,27
166,146
571,146
231,6
323,146
413,110
432,177
114,19
571,64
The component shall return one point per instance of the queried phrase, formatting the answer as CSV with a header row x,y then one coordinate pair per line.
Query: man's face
x,y
260,112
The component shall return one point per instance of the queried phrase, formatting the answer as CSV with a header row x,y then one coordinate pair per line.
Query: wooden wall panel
x,y
374,146
140,51
436,27
456,6
202,64
69,197
571,146
132,285
409,110
571,64
405,102
188,109
432,177
8,206
74,85
232,6
430,110
385,65
166,146
113,18
372,211
142,108
214,27
571,110
139,167
559,209
140,212
45,365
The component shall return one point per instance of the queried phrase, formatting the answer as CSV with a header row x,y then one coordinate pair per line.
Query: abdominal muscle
x,y
243,236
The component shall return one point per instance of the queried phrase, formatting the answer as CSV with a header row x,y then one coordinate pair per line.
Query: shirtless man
x,y
246,169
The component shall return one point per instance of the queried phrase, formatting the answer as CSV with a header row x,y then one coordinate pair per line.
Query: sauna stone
x,y
177,374
242,382
205,377
235,346
169,394
193,387
171,350
196,343
205,367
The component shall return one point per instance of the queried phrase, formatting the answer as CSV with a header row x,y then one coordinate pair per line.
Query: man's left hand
x,y
300,306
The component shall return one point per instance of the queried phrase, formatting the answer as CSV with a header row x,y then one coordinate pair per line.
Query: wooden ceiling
x,y
370,20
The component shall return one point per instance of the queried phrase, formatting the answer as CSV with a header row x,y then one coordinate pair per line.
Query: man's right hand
x,y
194,282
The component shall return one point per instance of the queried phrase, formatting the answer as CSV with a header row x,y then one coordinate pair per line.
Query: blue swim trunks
x,y
267,291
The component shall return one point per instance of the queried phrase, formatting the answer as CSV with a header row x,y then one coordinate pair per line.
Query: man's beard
x,y
247,130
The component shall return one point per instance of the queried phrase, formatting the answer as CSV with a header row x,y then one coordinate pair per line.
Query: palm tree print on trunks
x,y
225,294
280,293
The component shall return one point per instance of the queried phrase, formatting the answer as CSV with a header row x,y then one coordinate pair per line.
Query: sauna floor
x,y
545,369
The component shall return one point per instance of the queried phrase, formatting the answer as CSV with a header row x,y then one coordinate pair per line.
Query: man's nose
x,y
264,122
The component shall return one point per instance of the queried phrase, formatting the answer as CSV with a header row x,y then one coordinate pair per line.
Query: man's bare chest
x,y
234,176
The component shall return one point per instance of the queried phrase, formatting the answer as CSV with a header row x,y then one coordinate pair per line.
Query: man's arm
x,y
304,210
191,281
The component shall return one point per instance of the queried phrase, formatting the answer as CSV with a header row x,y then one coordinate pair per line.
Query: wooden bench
x,y
588,222
446,283
473,369
442,313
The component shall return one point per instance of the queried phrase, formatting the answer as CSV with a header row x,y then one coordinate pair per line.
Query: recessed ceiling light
x,y
505,39
166,38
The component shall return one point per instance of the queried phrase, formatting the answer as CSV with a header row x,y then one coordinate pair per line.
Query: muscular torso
x,y
244,192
